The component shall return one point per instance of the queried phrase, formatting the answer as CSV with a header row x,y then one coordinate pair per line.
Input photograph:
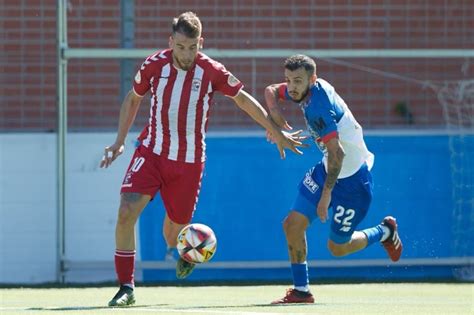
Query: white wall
x,y
28,241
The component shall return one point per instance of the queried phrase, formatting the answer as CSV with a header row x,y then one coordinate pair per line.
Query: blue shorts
x,y
350,200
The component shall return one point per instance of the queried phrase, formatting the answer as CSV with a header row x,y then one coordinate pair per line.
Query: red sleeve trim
x,y
138,94
329,136
281,92
240,87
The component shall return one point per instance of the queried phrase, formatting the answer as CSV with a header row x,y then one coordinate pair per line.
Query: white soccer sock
x,y
303,289
386,233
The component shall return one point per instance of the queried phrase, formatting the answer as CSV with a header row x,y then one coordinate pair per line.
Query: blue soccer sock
x,y
300,276
375,234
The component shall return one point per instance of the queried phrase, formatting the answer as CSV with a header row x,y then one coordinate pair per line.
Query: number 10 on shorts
x,y
137,163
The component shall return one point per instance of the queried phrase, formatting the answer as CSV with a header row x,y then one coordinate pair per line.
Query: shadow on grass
x,y
246,306
89,308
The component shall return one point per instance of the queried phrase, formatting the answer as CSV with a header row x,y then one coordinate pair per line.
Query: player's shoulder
x,y
323,90
321,95
157,59
324,85
207,63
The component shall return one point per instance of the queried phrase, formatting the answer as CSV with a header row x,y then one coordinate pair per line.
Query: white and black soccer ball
x,y
197,243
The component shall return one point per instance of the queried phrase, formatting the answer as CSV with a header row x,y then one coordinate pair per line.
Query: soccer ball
x,y
197,243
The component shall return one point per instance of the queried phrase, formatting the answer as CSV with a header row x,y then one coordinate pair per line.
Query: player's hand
x,y
278,118
323,205
111,153
288,140
294,135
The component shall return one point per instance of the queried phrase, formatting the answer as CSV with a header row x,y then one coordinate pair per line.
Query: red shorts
x,y
178,182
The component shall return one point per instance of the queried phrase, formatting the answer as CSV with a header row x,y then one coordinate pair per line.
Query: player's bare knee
x,y
129,209
288,225
126,214
337,250
285,224
293,225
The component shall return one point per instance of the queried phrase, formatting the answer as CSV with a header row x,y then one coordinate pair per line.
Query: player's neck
x,y
177,66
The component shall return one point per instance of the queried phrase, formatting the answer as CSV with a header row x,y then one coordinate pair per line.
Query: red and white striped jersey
x,y
180,103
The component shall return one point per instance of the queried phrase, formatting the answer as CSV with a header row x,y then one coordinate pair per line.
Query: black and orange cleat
x,y
393,244
295,296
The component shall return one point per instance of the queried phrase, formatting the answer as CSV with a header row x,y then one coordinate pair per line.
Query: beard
x,y
182,65
185,66
303,95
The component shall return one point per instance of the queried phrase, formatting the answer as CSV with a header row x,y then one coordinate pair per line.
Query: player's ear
x,y
201,42
313,78
170,42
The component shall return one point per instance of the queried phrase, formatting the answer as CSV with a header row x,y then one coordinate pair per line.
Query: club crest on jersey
x,y
196,84
138,77
232,81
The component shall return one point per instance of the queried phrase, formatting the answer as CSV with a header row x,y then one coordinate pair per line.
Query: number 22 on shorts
x,y
347,215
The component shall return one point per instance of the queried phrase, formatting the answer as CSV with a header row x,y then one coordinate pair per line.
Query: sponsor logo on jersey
x,y
310,183
138,77
232,81
196,84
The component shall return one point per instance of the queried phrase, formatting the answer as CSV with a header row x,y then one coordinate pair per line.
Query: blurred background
x,y
416,106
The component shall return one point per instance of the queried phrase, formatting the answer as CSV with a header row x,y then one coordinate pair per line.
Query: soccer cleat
x,y
184,268
124,297
393,244
295,296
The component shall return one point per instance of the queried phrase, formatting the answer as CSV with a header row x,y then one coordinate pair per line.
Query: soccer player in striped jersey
x,y
171,156
342,180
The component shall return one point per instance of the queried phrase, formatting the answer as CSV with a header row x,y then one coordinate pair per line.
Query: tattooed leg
x,y
295,225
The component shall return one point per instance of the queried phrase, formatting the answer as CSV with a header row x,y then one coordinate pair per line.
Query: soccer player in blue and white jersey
x,y
341,181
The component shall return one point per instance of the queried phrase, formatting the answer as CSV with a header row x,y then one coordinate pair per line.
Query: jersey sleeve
x,y
283,92
324,122
329,133
225,82
141,83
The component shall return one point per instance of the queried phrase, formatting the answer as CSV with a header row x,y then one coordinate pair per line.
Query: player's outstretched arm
x,y
271,98
253,108
128,112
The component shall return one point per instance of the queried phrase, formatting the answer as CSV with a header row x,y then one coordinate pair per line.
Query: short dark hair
x,y
301,61
188,24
